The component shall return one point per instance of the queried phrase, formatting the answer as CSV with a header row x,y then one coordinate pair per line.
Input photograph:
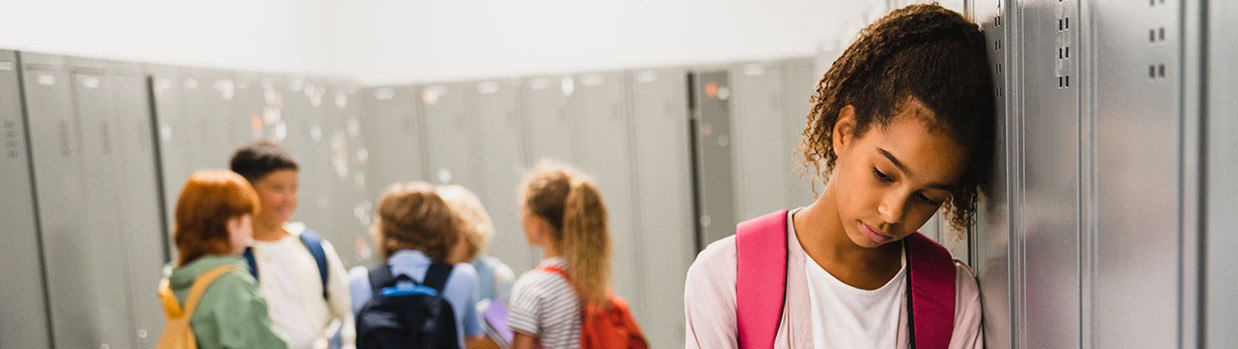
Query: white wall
x,y
268,35
389,41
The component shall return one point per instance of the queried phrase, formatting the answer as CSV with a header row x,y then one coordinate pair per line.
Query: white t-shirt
x,y
288,277
844,316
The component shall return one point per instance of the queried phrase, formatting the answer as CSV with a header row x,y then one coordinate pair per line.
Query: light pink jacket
x,y
709,302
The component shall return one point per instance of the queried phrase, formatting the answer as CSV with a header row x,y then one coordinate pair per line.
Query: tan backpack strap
x,y
200,285
170,307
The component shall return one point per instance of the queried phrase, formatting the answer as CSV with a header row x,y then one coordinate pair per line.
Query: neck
x,y
551,251
268,230
821,232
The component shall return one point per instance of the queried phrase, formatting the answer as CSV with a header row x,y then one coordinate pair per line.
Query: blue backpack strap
x,y
249,259
313,242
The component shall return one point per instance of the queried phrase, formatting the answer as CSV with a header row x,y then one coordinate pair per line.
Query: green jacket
x,y
231,313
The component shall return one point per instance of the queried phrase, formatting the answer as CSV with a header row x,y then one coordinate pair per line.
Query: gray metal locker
x,y
604,126
316,172
145,234
24,301
394,138
248,111
799,82
715,216
196,108
496,108
991,237
172,133
107,287
219,92
298,114
346,174
1049,222
757,139
663,162
83,306
450,145
548,121
1137,181
1220,283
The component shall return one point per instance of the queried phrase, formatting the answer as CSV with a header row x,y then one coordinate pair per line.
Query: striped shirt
x,y
544,305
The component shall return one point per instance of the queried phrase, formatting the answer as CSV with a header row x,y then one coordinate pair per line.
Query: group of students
x,y
902,125
247,277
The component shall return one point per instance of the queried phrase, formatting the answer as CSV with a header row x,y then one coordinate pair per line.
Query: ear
x,y
233,225
844,129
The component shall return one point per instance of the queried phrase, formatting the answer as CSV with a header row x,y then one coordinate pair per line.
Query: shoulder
x,y
359,276
715,266
461,281
537,284
463,272
967,291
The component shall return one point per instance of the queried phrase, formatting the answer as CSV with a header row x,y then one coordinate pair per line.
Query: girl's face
x,y
891,179
277,191
239,233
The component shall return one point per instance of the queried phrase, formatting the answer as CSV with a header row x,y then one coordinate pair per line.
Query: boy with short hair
x,y
299,273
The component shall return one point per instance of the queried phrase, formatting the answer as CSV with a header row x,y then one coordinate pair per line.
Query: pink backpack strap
x,y
761,278
932,292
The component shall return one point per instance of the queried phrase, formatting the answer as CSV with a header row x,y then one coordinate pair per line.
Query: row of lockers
x,y
681,154
659,141
1109,191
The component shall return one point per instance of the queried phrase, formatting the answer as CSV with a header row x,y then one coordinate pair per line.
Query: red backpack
x,y
606,328
761,279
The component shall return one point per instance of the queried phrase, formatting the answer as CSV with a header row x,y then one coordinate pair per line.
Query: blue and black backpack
x,y
403,313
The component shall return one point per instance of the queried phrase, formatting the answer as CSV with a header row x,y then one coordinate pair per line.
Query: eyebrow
x,y
905,171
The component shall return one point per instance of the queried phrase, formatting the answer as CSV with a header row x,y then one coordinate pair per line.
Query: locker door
x,y
145,234
991,237
24,300
712,118
247,112
1221,151
173,134
605,126
1137,140
664,198
316,171
221,94
449,138
346,182
1050,191
81,316
501,166
196,107
799,83
303,141
394,138
761,161
549,124
105,287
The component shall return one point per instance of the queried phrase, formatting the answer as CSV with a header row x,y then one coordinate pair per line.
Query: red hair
x,y
210,198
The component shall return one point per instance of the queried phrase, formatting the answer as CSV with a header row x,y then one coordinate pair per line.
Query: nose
x,y
892,208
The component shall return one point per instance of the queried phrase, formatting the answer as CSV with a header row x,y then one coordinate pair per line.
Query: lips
x,y
873,234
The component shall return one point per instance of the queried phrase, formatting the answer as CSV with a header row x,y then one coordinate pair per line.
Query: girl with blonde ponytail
x,y
563,214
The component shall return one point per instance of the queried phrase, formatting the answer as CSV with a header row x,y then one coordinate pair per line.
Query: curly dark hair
x,y
924,53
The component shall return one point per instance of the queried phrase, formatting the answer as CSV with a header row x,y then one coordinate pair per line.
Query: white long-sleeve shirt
x,y
289,279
